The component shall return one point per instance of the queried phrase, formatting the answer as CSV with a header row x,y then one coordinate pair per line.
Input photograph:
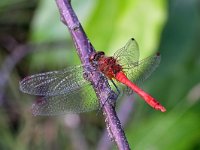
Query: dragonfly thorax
x,y
107,65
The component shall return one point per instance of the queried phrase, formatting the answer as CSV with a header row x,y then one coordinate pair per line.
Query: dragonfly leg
x,y
112,96
118,91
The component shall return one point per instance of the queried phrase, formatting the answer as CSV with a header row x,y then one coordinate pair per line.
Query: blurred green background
x,y
33,40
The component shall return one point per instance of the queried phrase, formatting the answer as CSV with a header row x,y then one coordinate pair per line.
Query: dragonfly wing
x,y
54,82
129,54
77,101
137,73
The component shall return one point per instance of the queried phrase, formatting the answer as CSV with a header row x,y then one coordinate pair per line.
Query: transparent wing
x,y
143,69
54,82
138,72
129,54
81,100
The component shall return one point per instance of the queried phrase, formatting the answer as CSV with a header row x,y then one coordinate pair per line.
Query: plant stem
x,y
84,49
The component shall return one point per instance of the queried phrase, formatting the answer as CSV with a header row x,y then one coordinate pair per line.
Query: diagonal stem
x,y
84,49
124,112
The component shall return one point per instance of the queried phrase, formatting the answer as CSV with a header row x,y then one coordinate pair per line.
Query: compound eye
x,y
101,53
96,56
92,57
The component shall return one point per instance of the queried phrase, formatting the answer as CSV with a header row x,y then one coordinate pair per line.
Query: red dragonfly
x,y
66,91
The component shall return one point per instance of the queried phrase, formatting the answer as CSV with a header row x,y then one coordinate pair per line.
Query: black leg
x,y
118,93
116,87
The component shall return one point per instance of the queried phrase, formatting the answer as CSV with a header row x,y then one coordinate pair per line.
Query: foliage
x,y
172,27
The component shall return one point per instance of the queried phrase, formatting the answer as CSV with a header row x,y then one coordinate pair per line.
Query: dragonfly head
x,y
96,55
94,58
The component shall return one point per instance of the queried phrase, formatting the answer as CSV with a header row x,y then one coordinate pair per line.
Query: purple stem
x,y
84,49
126,108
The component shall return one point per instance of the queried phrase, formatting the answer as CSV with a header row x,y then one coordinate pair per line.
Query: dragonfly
x,y
67,91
